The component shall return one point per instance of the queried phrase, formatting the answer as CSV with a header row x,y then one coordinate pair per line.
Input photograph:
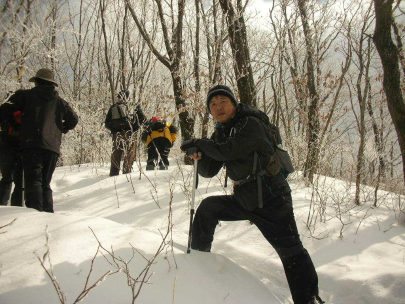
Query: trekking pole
x,y
22,188
192,202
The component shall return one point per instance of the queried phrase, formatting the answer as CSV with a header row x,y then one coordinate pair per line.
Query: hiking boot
x,y
150,167
162,167
316,300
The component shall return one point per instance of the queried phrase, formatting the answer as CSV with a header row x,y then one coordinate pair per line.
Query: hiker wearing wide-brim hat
x,y
44,74
45,117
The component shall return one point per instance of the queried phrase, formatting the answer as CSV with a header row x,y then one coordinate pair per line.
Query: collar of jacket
x,y
223,130
230,123
44,88
242,110
45,91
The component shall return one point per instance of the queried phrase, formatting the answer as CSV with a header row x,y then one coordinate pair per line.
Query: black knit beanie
x,y
124,95
220,90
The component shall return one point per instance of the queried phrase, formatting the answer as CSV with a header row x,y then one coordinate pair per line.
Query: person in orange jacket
x,y
159,138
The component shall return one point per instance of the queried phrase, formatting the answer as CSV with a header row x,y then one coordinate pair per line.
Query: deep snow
x,y
366,266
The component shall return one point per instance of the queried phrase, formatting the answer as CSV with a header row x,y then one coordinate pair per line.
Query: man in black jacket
x,y
45,116
123,126
261,194
10,161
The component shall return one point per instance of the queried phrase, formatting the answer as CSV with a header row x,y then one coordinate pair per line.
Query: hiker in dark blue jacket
x,y
261,193
45,117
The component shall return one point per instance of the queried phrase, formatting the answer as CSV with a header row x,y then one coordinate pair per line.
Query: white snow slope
x,y
129,217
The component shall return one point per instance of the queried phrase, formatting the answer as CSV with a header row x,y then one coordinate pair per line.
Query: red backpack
x,y
11,131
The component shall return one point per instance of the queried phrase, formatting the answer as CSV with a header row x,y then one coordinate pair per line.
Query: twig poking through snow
x,y
9,224
46,258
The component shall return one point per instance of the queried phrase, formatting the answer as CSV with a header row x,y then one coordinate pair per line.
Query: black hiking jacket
x,y
45,116
233,144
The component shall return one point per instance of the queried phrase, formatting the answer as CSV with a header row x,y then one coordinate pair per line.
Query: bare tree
x,y
362,48
174,50
107,55
124,82
21,39
215,37
306,41
379,144
362,97
313,115
240,50
389,55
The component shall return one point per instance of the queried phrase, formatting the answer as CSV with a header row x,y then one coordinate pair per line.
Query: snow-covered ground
x,y
129,217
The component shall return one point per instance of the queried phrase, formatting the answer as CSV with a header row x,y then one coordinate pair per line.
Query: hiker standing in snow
x,y
240,143
10,161
123,127
159,137
44,117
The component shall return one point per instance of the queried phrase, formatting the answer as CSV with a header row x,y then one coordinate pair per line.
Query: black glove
x,y
188,144
193,150
189,147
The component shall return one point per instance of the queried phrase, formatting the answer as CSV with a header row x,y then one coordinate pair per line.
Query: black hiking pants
x,y
158,153
39,165
11,172
277,223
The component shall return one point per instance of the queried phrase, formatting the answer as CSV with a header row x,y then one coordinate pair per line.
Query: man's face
x,y
222,108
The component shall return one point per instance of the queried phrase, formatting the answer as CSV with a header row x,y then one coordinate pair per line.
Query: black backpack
x,y
274,137
279,161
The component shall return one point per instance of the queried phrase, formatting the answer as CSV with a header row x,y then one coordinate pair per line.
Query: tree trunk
x,y
107,61
21,66
240,51
77,73
362,49
214,49
174,52
122,48
313,117
196,67
378,135
53,34
360,153
392,78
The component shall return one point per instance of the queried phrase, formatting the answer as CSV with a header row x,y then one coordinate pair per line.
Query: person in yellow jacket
x,y
159,138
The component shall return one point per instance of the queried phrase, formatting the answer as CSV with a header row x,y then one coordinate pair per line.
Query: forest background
x,y
315,67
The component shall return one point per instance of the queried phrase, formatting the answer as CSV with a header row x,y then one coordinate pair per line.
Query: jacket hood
x,y
242,110
156,125
46,92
